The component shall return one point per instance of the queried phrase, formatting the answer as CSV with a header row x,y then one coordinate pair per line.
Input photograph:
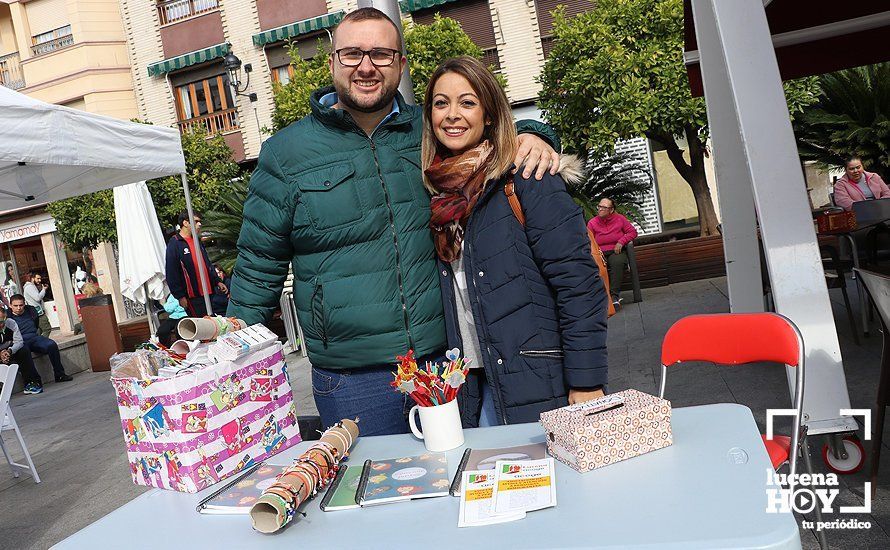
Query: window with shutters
x,y
51,41
207,102
474,17
282,75
545,9
279,57
49,25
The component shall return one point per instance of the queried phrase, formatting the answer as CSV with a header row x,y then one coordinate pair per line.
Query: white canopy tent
x,y
49,153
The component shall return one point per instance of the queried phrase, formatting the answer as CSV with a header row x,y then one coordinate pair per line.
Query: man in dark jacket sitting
x,y
25,317
14,351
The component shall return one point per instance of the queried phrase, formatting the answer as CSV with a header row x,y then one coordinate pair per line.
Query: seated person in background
x,y
858,185
219,301
25,317
612,232
167,333
13,350
91,287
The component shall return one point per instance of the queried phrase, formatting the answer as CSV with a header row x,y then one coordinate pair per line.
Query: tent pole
x,y
150,312
201,267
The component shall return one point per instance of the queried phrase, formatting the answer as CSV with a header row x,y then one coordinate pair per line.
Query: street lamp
x,y
233,71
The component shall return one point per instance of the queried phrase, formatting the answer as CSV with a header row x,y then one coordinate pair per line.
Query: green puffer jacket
x,y
351,215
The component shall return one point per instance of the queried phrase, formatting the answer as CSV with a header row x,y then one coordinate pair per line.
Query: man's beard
x,y
385,100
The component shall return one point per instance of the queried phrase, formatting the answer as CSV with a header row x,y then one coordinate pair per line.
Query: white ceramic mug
x,y
442,430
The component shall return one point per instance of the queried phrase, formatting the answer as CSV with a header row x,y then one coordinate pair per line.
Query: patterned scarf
x,y
459,181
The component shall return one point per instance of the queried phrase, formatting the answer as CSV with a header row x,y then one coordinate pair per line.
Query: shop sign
x,y
23,229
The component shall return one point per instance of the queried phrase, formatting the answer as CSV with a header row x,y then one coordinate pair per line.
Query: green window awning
x,y
410,6
187,60
296,29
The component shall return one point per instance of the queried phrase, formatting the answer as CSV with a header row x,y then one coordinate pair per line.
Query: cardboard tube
x,y
267,515
272,511
204,328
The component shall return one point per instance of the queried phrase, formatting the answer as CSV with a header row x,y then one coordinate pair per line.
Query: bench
x,y
665,263
75,358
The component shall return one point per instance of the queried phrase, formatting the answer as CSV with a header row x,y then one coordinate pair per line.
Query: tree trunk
x,y
694,174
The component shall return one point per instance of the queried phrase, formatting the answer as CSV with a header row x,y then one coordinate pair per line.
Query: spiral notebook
x,y
342,492
485,459
405,478
239,495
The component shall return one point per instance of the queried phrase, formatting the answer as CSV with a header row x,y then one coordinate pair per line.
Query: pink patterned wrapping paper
x,y
604,431
188,432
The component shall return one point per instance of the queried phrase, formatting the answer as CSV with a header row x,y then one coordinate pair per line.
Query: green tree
x,y
851,116
430,45
427,46
86,221
616,72
292,99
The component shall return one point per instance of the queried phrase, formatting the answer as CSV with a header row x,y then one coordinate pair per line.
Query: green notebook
x,y
341,493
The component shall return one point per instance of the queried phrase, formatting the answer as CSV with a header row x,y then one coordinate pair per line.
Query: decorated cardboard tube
x,y
207,328
311,471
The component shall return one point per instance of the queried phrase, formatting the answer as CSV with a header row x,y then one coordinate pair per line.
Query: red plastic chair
x,y
736,339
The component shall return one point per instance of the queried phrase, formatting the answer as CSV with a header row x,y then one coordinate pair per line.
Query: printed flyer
x,y
476,500
524,485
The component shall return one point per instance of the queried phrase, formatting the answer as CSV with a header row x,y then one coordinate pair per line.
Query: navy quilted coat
x,y
538,304
350,214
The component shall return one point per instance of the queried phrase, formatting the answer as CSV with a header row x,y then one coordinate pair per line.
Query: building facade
x,y
72,53
177,48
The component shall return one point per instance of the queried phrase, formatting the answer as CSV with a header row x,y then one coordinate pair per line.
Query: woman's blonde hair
x,y
501,130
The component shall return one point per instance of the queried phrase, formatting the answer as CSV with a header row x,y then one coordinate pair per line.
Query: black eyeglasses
x,y
353,57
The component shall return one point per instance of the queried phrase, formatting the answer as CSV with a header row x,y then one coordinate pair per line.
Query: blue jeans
x,y
364,393
488,416
42,344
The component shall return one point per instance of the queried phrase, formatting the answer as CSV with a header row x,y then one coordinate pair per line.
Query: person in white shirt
x,y
34,291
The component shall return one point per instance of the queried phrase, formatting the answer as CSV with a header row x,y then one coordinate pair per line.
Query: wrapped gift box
x,y
192,430
613,428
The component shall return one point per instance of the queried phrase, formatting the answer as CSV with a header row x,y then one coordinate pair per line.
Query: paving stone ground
x,y
74,434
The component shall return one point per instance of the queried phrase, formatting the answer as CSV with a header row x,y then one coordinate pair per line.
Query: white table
x,y
695,494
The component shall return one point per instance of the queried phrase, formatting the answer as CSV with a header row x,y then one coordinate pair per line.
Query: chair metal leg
x,y
880,412
850,317
820,535
18,434
12,468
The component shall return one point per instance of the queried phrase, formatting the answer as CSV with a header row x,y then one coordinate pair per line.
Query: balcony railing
x,y
51,41
177,10
214,123
11,74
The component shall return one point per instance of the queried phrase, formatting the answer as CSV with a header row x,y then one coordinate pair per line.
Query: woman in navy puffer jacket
x,y
523,303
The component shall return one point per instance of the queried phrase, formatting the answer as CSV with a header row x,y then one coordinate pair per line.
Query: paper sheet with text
x,y
476,503
524,485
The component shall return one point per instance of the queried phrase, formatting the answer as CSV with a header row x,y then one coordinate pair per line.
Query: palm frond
x,y
621,177
850,118
223,225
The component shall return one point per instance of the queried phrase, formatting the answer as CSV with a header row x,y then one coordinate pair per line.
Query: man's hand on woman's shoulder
x,y
535,155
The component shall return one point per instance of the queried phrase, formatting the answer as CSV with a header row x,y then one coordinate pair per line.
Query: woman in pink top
x,y
612,231
858,185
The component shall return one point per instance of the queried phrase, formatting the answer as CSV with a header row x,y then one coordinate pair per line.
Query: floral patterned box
x,y
610,429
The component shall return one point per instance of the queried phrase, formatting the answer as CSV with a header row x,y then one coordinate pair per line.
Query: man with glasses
x,y
339,196
182,268
612,232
